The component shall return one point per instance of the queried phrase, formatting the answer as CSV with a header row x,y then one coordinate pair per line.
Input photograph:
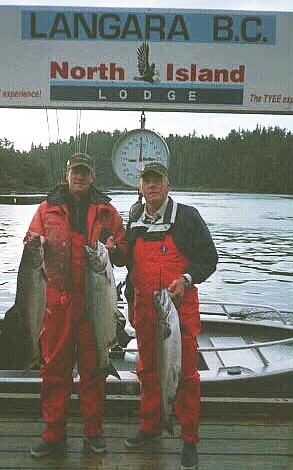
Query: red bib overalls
x,y
155,265
65,339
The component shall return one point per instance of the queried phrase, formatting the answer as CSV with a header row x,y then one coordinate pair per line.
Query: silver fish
x,y
101,305
169,351
23,321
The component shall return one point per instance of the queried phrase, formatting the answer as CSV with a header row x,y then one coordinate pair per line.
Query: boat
x,y
244,350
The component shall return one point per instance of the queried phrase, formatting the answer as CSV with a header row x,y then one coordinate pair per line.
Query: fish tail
x,y
29,366
168,426
105,372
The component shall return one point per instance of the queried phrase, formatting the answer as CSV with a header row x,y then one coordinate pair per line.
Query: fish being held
x,y
23,321
169,353
101,302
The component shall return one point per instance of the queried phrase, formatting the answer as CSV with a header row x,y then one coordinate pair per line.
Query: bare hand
x,y
31,235
110,243
176,290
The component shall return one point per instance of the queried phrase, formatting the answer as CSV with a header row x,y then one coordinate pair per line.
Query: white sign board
x,y
175,60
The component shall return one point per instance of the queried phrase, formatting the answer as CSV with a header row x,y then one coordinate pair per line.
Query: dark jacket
x,y
78,210
190,234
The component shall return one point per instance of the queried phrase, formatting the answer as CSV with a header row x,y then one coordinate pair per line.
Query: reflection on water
x,y
253,235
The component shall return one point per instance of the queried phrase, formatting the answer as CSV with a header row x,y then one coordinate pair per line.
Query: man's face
x,y
155,188
79,180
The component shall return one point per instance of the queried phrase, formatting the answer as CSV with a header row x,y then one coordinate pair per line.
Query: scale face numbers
x,y
134,150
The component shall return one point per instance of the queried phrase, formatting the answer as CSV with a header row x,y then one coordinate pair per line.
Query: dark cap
x,y
154,168
83,159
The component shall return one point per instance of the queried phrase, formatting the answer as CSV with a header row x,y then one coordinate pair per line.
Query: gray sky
x,y
26,126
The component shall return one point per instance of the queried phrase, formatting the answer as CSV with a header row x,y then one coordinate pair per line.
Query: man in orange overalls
x,y
75,214
169,246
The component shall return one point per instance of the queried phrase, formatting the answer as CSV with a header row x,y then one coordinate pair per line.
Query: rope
x,y
77,131
60,156
50,150
86,142
79,138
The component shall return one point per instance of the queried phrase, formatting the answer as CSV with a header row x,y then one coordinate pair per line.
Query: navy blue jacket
x,y
190,234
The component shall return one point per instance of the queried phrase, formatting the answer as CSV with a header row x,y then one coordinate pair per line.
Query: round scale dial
x,y
134,150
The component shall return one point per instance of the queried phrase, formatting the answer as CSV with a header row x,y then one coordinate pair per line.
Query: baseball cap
x,y
154,167
83,159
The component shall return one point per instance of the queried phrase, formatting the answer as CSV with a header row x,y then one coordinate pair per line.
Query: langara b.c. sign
x,y
175,60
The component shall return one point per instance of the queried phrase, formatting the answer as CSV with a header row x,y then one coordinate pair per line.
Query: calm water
x,y
253,235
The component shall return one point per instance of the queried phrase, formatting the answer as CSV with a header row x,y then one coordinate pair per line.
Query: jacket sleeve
x,y
197,245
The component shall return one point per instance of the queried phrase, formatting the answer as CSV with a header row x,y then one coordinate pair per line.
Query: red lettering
x,y
170,72
77,73
91,71
182,75
56,69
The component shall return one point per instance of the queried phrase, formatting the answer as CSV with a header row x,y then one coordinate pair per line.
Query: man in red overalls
x,y
75,214
169,246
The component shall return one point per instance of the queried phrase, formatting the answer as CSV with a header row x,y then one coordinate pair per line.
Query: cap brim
x,y
143,173
73,165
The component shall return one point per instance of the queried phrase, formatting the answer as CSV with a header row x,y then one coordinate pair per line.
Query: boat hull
x,y
229,364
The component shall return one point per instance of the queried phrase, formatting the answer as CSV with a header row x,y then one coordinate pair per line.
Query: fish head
x,y
97,257
102,252
91,256
157,298
163,302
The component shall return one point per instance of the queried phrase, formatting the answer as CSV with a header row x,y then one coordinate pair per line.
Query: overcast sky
x,y
26,126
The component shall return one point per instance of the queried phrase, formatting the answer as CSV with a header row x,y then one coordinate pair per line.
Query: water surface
x,y
253,235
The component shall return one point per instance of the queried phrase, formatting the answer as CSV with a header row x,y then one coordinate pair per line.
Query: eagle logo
x,y
147,71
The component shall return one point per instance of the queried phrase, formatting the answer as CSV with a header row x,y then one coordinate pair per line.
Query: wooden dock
x,y
21,199
236,434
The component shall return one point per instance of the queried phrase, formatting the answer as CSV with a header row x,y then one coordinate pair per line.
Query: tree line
x,y
259,161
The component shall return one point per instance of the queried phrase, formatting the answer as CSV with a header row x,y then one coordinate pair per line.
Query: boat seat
x,y
246,358
211,359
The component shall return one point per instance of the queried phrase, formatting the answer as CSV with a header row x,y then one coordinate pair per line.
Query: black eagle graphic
x,y
146,70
